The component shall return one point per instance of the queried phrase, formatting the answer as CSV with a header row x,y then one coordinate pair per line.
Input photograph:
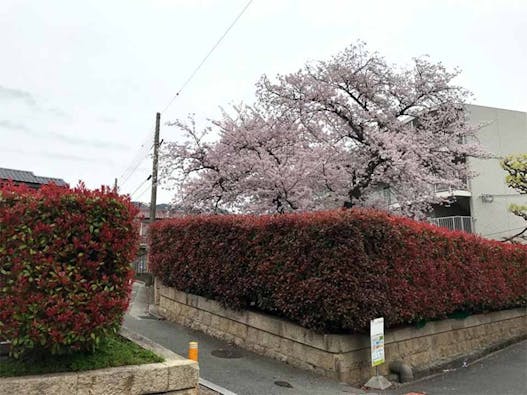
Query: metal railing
x,y
457,222
140,265
448,188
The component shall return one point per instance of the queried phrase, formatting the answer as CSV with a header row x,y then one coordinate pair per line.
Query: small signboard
x,y
377,341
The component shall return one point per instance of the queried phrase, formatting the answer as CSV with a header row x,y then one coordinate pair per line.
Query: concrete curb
x,y
149,344
176,375
214,387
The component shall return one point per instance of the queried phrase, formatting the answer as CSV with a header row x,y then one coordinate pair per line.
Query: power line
x,y
143,157
142,153
142,192
191,76
140,185
143,148
137,159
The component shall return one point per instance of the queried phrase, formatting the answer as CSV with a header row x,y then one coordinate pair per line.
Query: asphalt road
x,y
501,373
246,373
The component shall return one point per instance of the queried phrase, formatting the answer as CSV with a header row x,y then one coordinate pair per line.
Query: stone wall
x,y
344,357
176,375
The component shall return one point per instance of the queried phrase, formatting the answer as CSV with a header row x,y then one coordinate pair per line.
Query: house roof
x,y
28,177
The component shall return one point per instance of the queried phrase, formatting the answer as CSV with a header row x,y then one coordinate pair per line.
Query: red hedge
x,y
336,270
65,277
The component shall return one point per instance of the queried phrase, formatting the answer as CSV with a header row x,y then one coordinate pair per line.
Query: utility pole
x,y
153,196
115,186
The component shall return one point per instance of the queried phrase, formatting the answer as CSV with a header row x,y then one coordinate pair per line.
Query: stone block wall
x,y
176,375
344,357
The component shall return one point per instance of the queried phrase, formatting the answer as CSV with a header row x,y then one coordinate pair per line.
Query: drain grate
x,y
227,353
284,384
147,317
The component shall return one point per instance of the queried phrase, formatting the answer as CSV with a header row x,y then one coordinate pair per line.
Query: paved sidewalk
x,y
501,373
249,374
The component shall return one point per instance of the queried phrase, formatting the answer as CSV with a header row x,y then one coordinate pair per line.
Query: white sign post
x,y
377,354
377,341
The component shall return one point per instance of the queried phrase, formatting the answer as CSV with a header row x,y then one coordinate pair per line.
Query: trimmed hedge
x,y
336,270
65,275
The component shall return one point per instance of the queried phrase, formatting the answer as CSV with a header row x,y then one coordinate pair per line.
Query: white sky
x,y
80,81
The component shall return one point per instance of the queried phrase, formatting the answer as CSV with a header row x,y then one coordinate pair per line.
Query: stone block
x,y
56,384
210,305
107,381
237,316
293,332
182,374
315,339
172,294
180,297
318,358
264,322
206,318
215,321
224,324
286,347
345,343
300,350
237,329
252,335
270,340
192,300
148,380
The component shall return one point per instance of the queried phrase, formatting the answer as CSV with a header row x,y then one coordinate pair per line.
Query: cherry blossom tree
x,y
348,131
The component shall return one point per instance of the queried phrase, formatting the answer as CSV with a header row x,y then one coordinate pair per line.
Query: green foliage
x,y
516,167
113,351
65,275
333,271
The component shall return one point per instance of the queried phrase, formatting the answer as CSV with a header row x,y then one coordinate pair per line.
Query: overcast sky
x,y
80,81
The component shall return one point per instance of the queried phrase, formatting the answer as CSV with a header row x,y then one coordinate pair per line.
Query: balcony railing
x,y
458,222
448,188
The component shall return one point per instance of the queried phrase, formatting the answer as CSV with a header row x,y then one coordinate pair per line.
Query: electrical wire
x,y
138,158
142,153
143,192
123,182
138,195
198,67
140,185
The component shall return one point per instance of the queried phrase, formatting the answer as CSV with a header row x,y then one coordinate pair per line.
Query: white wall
x,y
504,134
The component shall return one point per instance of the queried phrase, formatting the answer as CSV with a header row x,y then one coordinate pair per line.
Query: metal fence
x,y
139,265
448,188
458,222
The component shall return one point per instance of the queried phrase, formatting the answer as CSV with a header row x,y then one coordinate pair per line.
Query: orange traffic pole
x,y
193,351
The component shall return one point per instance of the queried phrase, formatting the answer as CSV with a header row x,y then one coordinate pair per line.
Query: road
x,y
247,373
501,373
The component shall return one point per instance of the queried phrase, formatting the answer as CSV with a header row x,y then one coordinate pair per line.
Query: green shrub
x,y
65,277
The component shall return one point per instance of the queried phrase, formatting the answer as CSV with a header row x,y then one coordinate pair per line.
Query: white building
x,y
482,207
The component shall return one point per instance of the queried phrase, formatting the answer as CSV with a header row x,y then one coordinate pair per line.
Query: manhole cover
x,y
227,353
283,384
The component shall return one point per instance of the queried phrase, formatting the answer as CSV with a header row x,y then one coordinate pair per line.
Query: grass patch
x,y
113,351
